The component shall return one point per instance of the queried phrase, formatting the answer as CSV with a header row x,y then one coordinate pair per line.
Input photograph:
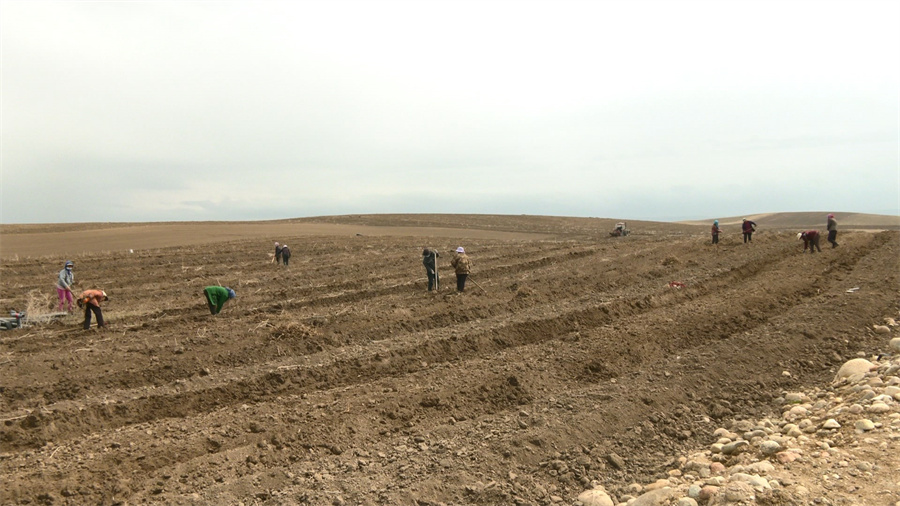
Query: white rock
x,y
878,407
769,447
595,497
864,425
694,491
831,423
656,497
797,412
895,345
793,397
755,481
736,447
854,366
881,329
762,467
737,492
791,429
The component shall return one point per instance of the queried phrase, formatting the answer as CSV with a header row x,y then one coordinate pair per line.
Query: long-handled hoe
x,y
476,283
437,279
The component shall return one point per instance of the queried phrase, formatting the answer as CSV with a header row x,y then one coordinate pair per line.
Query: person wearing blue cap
x,y
64,283
715,231
217,296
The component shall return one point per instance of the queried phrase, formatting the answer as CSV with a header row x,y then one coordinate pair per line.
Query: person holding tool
x,y
462,266
64,283
429,260
90,300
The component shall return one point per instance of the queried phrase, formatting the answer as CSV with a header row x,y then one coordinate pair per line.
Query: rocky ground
x,y
656,366
837,444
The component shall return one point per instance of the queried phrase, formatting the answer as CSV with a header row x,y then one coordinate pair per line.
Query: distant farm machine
x,y
18,319
620,230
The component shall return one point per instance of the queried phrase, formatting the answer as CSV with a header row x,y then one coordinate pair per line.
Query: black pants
x,y
286,258
432,279
461,282
832,235
87,316
813,245
748,236
715,238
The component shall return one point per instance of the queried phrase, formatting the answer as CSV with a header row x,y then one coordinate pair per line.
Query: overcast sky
x,y
661,110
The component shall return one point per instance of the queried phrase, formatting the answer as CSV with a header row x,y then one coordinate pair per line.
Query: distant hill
x,y
811,220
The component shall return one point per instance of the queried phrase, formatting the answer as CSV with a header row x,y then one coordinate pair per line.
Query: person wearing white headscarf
x,y
277,258
462,265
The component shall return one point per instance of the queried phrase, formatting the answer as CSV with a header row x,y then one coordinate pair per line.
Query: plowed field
x,y
340,379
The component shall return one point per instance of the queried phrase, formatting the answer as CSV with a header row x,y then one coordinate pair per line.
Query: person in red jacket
x,y
90,301
810,240
748,227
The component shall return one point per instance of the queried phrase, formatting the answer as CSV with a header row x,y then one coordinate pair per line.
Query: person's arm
x,y
62,281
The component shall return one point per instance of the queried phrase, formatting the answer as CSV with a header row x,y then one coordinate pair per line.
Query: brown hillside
x,y
812,220
571,359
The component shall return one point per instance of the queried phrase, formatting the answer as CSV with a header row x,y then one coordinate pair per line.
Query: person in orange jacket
x,y
90,300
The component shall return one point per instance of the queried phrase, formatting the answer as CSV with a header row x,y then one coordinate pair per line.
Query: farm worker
x,y
217,296
748,227
277,258
64,283
832,231
715,232
285,254
461,264
429,260
810,239
90,301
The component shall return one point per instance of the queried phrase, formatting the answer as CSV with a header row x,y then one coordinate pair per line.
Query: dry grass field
x,y
340,380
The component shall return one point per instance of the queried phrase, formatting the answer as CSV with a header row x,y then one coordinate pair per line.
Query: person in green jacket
x,y
217,296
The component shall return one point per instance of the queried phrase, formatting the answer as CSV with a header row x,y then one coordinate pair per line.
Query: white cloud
x,y
237,109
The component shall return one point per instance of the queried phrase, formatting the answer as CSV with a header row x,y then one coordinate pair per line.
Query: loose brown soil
x,y
339,379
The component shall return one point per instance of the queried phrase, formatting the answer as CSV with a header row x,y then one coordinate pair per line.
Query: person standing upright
x,y
715,232
429,260
748,227
462,265
832,231
90,300
285,254
277,258
64,282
